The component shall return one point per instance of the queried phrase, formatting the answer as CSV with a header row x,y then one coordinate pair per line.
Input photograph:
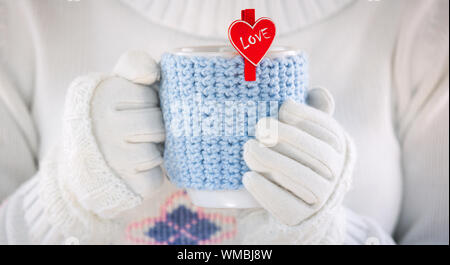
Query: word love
x,y
252,42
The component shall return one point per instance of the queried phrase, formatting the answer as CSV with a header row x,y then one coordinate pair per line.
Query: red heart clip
x,y
252,42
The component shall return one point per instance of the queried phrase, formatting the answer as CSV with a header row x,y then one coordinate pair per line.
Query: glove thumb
x,y
137,67
321,99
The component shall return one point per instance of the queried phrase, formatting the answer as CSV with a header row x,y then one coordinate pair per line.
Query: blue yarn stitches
x,y
198,95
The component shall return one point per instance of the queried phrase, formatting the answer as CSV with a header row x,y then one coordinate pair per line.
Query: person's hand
x,y
108,159
128,123
301,167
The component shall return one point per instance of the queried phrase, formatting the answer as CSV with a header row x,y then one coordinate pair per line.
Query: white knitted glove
x,y
301,169
107,159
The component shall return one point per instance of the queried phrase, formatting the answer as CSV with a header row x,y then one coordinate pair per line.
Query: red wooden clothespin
x,y
248,15
252,39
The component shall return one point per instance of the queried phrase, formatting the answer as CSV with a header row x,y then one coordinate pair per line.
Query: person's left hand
x,y
301,166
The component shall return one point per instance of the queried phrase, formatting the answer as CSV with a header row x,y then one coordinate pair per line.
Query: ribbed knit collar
x,y
211,18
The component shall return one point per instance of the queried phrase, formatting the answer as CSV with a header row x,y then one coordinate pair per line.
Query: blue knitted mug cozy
x,y
210,112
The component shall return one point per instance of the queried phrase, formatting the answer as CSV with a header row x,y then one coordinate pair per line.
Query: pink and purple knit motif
x,y
181,223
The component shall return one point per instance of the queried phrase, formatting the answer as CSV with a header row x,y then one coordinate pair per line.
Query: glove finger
x,y
286,172
137,67
142,125
120,94
313,122
287,208
321,99
132,126
131,158
312,152
137,164
147,182
132,110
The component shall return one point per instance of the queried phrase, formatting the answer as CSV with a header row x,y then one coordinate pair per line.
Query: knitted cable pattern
x,y
210,112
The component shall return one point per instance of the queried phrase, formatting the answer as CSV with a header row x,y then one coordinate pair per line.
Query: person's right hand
x,y
128,123
108,159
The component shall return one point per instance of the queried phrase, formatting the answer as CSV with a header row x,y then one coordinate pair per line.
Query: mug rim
x,y
229,51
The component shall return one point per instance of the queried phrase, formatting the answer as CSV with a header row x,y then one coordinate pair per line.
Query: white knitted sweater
x,y
386,63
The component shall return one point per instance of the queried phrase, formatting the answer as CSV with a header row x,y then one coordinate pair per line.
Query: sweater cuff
x,y
76,193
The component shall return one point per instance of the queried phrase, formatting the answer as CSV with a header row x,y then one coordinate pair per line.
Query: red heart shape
x,y
252,42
